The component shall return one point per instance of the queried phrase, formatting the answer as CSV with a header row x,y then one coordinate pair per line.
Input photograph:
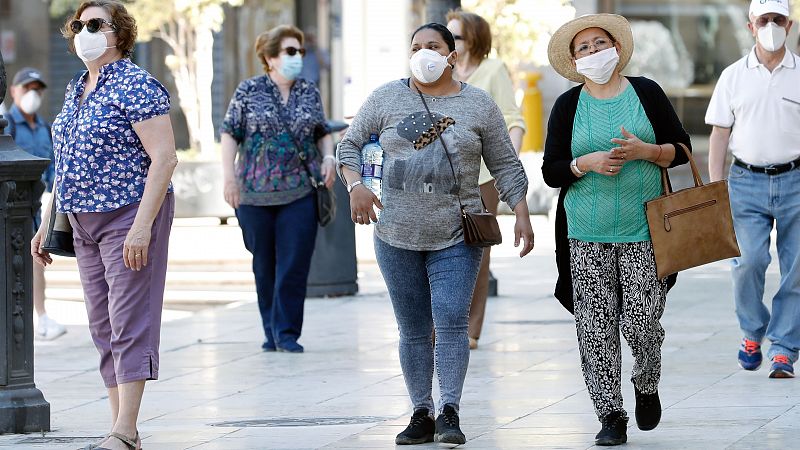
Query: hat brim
x,y
558,49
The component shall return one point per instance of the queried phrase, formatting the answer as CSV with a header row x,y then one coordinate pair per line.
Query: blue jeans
x,y
757,202
281,239
431,290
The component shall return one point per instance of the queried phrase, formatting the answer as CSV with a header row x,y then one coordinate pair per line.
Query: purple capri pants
x,y
123,305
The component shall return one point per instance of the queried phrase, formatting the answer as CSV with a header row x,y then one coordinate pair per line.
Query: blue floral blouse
x,y
268,169
100,162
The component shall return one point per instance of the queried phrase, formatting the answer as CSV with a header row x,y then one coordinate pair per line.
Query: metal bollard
x,y
23,408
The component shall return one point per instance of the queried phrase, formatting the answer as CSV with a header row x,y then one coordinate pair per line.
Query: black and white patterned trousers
x,y
616,288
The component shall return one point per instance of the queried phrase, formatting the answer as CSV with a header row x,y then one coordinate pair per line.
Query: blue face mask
x,y
291,66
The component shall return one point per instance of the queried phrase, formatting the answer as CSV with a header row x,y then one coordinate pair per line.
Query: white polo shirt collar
x,y
788,60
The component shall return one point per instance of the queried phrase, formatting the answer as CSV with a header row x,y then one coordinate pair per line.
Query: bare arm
x,y
717,149
325,146
40,256
230,186
159,143
516,134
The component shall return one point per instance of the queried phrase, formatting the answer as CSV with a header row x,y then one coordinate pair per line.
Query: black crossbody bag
x,y
325,198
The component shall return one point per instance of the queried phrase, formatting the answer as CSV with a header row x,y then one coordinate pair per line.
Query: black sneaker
x,y
447,429
648,410
419,430
614,430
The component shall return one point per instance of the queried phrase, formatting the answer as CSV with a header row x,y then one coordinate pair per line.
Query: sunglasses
x,y
780,21
92,25
291,51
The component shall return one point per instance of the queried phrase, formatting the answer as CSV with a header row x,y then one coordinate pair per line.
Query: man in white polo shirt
x,y
755,112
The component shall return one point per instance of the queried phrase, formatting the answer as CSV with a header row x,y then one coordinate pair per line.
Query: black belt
x,y
773,169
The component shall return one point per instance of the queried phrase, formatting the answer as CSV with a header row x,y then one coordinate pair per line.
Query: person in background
x,y
473,43
316,60
755,113
32,134
430,166
273,122
607,140
114,157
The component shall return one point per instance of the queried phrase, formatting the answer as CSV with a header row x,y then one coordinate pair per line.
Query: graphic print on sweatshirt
x,y
426,171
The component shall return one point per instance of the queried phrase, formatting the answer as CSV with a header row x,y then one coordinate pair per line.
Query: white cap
x,y
761,7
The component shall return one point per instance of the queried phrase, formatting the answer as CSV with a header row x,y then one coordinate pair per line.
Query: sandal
x,y
132,444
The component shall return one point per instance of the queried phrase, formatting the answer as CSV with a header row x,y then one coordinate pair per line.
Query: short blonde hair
x,y
268,43
476,33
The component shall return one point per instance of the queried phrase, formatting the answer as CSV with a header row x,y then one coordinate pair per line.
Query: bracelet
x,y
329,157
574,165
660,149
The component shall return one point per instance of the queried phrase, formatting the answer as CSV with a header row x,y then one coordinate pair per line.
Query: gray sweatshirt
x,y
418,190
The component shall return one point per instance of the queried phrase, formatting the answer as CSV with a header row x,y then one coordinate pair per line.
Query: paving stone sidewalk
x,y
524,388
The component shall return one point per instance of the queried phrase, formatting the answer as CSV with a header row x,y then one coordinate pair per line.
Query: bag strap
x,y
447,153
665,181
301,154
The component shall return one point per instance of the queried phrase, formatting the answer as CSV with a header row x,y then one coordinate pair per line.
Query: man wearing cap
x,y
32,134
755,112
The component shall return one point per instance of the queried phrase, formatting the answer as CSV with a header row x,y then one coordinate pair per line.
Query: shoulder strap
x,y
284,123
447,153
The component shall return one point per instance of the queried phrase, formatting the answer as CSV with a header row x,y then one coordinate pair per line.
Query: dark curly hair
x,y
124,24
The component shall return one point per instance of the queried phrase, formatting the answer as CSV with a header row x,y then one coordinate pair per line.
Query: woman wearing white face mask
x,y
273,137
606,140
429,271
114,157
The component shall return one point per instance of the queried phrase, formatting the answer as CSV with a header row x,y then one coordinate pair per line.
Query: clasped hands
x,y
610,163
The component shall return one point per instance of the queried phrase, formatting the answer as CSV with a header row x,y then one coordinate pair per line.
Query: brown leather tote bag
x,y
692,226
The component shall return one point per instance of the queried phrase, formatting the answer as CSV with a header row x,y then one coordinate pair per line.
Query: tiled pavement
x,y
524,389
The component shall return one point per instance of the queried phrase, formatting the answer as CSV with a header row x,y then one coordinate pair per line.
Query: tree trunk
x,y
192,67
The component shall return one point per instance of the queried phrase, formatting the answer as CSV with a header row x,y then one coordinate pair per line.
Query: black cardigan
x,y
558,155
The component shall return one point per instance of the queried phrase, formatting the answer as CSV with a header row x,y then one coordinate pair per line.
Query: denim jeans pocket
x,y
737,172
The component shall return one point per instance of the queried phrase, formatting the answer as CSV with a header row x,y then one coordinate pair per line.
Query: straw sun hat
x,y
558,48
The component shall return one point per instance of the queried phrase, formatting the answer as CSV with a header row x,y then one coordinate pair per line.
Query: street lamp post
x,y
23,408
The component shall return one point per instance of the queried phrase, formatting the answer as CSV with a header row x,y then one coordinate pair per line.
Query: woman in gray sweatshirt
x,y
419,244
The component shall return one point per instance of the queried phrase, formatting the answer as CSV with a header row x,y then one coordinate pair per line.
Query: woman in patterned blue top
x,y
273,120
114,156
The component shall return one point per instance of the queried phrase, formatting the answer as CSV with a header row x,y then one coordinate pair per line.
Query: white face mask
x,y
90,46
599,66
771,37
30,102
427,65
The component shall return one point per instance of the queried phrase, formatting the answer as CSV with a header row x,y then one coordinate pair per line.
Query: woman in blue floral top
x,y
273,120
114,156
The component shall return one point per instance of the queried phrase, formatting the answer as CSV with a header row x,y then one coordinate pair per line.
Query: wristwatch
x,y
574,165
352,185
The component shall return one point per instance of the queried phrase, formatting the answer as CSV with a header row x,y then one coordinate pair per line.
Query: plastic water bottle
x,y
372,166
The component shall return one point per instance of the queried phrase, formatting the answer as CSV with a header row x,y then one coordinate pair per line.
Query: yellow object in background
x,y
532,113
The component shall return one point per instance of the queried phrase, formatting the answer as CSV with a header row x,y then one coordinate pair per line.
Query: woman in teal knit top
x,y
607,140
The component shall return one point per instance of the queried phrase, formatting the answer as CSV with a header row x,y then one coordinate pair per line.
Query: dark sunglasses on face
x,y
92,25
291,51
780,21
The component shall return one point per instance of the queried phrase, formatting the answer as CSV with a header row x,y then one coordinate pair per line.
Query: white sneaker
x,y
48,329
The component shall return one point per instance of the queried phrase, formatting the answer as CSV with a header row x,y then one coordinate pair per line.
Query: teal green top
x,y
604,208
